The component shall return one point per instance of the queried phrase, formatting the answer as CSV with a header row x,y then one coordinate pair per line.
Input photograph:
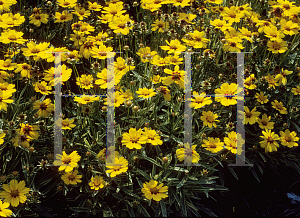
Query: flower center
x,y
264,123
27,130
43,106
63,17
14,193
248,115
72,177
288,139
154,190
12,37
270,140
67,160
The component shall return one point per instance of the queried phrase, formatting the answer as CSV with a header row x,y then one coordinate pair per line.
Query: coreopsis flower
x,y
188,153
97,182
134,139
4,100
63,17
173,59
2,135
120,166
296,90
232,15
153,191
156,79
117,101
209,119
127,94
71,178
272,33
81,13
85,81
218,2
94,6
249,82
9,20
145,93
121,24
229,91
213,145
264,122
277,46
82,27
4,6
44,108
288,138
37,19
102,81
197,39
24,69
100,38
8,88
14,193
200,101
188,18
234,142
279,106
4,211
67,124
146,54
42,88
67,162
251,116
120,65
86,48
233,46
149,5
73,57
62,70
22,140
36,50
67,3
160,25
114,9
105,18
289,27
7,65
282,76
177,77
152,137
272,81
12,36
287,7
181,3
220,24
29,130
173,47
166,92
269,141
84,99
101,51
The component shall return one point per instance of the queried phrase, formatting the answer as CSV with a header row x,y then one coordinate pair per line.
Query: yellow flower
x,y
197,40
189,153
218,2
120,166
251,116
277,46
3,75
232,15
97,182
279,106
67,162
4,100
12,36
229,90
261,98
146,54
282,77
2,135
8,88
6,4
160,25
14,193
181,3
100,52
37,19
269,141
234,142
7,65
29,130
177,77
264,122
44,108
84,99
249,82
63,17
94,6
86,48
22,140
117,101
173,59
152,137
4,212
62,69
67,124
296,90
67,3
153,191
82,27
120,65
36,50
166,92
219,24
213,145
42,88
134,139
114,9
233,46
199,102
289,138
85,81
121,24
174,47
25,70
81,13
145,93
289,27
272,33
71,178
209,119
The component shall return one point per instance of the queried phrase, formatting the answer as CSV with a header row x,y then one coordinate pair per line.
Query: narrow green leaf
x,y
139,182
152,161
163,208
183,205
254,174
130,210
206,210
181,183
144,211
172,192
144,174
233,172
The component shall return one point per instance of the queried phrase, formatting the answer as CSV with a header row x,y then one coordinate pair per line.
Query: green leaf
x,y
181,183
144,174
86,142
139,182
254,174
152,161
183,205
297,127
163,208
130,210
181,169
206,210
233,172
130,193
172,192
144,211
118,196
79,209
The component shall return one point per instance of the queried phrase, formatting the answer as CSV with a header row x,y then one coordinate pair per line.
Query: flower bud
x,y
15,173
165,159
135,108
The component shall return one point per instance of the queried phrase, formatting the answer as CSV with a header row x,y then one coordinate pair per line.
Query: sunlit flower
x,y
209,119
7,65
42,88
145,93
12,36
24,69
229,90
37,19
14,193
282,76
94,6
251,116
85,81
174,47
67,162
134,139
121,24
264,122
71,178
84,99
152,137
4,100
97,182
165,91
279,106
63,17
160,25
67,3
189,154
177,76
288,138
234,142
296,90
116,101
153,191
277,46
81,13
269,141
120,166
198,102
44,108
22,140
213,145
2,135
4,211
